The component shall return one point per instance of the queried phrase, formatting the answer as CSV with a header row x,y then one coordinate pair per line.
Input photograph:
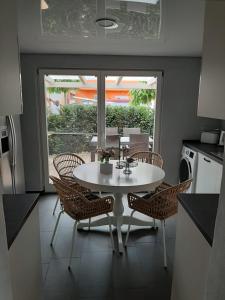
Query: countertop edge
x,y
195,145
24,216
194,218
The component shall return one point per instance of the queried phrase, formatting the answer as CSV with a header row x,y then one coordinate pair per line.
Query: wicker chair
x,y
64,164
78,207
148,157
161,206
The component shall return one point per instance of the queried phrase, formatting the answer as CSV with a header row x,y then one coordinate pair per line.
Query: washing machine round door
x,y
185,169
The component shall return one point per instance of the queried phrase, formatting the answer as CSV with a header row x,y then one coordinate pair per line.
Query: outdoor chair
x,y
138,142
148,157
79,207
113,141
64,164
160,206
127,131
111,130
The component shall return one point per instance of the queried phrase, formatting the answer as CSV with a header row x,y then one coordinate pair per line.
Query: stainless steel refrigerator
x,y
11,155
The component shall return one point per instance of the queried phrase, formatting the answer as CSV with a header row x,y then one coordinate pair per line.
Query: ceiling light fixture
x,y
44,5
107,23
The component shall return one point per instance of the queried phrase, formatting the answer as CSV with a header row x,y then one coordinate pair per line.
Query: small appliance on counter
x,y
210,137
222,136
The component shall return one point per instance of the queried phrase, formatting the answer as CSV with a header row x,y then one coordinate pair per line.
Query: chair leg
x,y
56,203
110,231
128,229
56,226
154,224
164,243
89,224
73,242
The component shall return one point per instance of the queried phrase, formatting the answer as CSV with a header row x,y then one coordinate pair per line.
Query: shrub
x,y
76,125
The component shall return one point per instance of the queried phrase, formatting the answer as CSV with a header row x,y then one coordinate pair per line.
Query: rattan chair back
x,y
148,157
160,205
72,200
76,205
65,163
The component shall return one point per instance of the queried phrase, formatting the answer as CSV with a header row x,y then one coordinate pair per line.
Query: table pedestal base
x,y
117,223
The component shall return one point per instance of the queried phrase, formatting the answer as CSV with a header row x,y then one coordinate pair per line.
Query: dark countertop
x,y
205,149
202,209
17,209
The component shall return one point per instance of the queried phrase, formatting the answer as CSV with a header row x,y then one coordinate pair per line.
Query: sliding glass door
x,y
130,104
80,109
70,117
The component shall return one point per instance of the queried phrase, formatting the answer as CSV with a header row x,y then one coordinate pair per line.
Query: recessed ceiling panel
x,y
130,19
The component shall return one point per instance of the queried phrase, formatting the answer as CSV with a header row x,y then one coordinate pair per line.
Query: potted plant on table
x,y
105,154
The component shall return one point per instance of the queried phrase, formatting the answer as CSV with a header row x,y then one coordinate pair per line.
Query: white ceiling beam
x,y
49,80
142,1
82,80
109,86
119,80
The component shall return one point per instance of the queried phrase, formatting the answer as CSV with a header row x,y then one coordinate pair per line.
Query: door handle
x,y
207,160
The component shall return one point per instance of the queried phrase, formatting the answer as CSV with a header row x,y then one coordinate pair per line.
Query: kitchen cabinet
x,y
21,214
211,101
209,175
10,82
5,279
25,260
191,262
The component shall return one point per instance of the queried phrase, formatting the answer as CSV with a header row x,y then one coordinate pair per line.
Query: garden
x,y
73,128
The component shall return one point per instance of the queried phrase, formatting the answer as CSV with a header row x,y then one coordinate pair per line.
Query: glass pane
x,y
130,105
71,113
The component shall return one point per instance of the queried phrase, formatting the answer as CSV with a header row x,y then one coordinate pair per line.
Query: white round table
x,y
144,177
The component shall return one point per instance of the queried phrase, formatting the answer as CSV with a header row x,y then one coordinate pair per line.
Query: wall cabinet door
x,y
209,175
10,83
212,85
191,261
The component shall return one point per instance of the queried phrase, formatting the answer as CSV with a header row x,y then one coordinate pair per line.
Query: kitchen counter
x,y
206,149
17,209
202,209
193,247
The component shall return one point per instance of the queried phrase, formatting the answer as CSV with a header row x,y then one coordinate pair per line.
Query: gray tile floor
x,y
97,273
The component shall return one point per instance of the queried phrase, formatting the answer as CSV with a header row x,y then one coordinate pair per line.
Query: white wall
x,y
179,103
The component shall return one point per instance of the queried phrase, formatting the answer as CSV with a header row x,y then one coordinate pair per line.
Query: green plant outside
x,y
141,96
73,129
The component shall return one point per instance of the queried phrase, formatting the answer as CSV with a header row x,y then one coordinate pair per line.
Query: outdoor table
x,y
124,141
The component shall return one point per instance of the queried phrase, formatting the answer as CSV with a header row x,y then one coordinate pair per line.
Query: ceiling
x,y
143,27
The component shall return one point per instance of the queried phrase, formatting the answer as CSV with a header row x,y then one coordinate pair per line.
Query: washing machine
x,y
188,167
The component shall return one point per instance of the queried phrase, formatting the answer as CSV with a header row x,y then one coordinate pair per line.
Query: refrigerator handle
x,y
13,150
13,134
